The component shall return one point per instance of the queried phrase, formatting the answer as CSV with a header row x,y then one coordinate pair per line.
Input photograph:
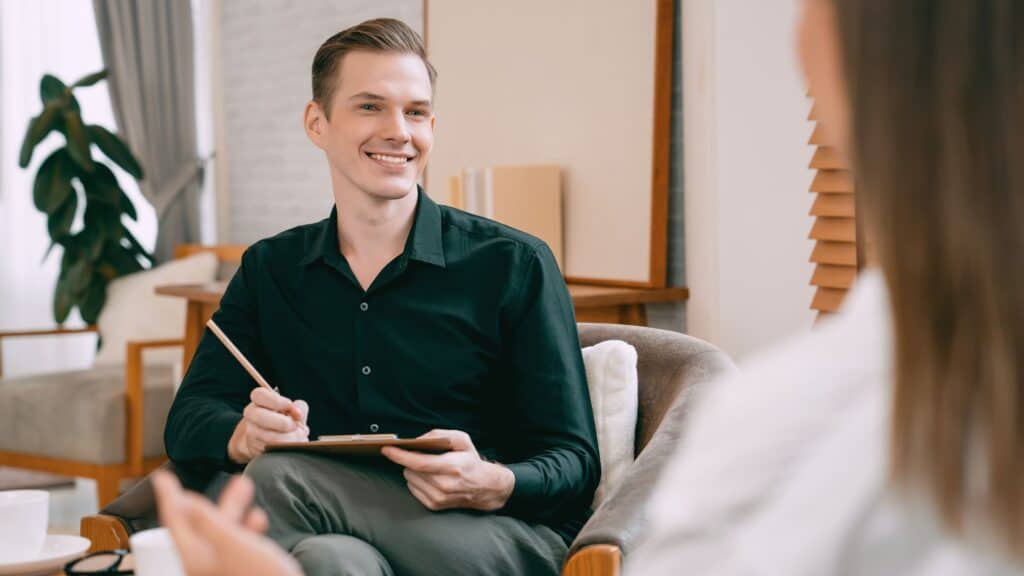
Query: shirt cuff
x,y
529,485
221,429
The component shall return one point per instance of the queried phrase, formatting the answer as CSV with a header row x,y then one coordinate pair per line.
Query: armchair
x,y
104,423
671,367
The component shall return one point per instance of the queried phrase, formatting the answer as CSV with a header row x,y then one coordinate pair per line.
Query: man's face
x,y
381,125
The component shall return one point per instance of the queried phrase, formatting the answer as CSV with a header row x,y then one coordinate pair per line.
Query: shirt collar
x,y
424,244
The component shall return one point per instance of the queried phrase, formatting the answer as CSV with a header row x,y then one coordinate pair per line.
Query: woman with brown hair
x,y
891,440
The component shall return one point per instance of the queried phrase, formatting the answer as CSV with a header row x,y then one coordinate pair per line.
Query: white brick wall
x,y
277,178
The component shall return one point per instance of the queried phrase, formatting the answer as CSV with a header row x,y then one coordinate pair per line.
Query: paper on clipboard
x,y
363,445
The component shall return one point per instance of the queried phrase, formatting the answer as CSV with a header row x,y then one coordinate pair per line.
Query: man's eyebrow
x,y
379,98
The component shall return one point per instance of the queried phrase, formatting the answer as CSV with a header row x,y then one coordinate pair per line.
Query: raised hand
x,y
225,540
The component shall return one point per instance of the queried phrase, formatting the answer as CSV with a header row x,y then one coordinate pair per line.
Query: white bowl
x,y
23,519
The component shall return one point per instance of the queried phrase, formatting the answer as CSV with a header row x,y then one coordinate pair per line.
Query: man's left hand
x,y
456,479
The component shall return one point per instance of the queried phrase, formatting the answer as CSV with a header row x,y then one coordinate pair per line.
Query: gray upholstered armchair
x,y
671,367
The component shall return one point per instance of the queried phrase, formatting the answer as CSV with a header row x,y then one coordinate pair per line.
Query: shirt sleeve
x,y
552,445
215,390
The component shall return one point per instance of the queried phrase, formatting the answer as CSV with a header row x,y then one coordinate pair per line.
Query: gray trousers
x,y
356,516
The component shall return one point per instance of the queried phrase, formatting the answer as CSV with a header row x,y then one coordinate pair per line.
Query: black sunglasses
x,y
105,562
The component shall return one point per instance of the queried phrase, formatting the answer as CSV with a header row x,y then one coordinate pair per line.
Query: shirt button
x,y
364,306
366,370
374,427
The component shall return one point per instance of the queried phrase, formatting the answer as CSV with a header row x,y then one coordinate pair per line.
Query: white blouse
x,y
783,469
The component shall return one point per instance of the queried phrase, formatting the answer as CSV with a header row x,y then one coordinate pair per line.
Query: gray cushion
x,y
80,415
226,270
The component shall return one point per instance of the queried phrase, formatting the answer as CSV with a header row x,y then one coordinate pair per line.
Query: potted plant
x,y
101,248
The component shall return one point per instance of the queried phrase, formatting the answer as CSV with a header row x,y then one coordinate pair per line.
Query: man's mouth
x,y
391,159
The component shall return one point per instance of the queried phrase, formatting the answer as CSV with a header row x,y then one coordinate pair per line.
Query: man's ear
x,y
314,122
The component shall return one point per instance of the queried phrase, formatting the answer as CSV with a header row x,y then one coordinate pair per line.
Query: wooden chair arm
x,y
133,397
104,532
58,331
594,560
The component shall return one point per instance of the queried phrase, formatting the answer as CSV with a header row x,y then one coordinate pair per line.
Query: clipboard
x,y
363,446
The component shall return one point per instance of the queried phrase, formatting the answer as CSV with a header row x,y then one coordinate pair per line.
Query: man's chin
x,y
391,191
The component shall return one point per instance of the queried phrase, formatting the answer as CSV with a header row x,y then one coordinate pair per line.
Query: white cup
x,y
23,519
154,553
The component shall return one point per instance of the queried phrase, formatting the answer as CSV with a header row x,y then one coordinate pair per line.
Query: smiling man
x,y
397,315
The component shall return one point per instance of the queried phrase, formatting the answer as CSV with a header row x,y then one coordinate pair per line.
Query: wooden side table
x,y
592,303
620,305
203,300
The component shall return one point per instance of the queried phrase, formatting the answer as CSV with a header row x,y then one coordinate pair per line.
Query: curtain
x,y
148,50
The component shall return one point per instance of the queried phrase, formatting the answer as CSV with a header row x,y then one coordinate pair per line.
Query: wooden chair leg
x,y
107,485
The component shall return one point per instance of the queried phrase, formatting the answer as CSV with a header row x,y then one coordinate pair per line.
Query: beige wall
x,y
746,174
541,82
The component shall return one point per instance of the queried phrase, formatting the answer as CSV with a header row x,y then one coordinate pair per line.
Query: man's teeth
x,y
390,159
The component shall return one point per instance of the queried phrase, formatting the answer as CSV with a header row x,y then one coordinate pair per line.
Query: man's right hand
x,y
268,418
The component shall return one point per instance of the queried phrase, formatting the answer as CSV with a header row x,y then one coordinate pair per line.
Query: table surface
x,y
583,295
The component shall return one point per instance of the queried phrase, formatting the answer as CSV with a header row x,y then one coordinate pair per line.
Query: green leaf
x,y
106,220
78,277
78,142
38,128
53,181
51,89
91,241
90,79
92,301
73,102
138,247
128,207
115,149
61,300
59,223
102,186
121,259
48,250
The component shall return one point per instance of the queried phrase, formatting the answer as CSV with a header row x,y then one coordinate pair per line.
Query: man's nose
x,y
395,127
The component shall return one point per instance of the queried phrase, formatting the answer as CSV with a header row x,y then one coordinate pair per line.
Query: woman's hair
x,y
936,89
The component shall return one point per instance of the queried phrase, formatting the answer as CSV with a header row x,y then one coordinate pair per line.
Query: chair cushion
x,y
612,379
133,310
80,415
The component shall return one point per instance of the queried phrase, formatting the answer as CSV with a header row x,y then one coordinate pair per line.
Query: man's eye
x,y
369,107
417,113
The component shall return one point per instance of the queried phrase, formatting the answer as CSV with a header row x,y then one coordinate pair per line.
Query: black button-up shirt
x,y
470,328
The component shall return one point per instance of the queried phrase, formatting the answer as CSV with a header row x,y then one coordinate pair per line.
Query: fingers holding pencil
x,y
268,418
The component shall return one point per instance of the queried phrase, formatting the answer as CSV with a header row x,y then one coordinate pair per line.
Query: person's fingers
x,y
417,461
459,439
259,438
300,411
442,482
257,521
420,494
207,521
174,508
235,499
166,489
268,419
270,400
422,482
